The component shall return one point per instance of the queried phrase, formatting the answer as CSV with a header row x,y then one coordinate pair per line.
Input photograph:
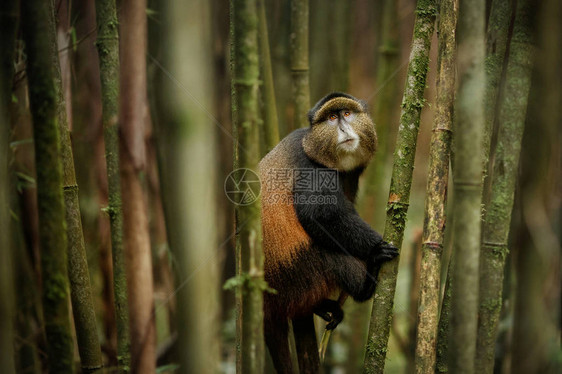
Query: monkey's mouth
x,y
348,144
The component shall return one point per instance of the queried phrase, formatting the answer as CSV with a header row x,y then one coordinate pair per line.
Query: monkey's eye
x,y
346,113
333,117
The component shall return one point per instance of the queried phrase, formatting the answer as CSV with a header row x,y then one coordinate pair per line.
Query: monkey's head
x,y
342,135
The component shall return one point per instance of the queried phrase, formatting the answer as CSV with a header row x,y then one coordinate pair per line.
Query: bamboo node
x,y
494,244
442,128
497,249
247,82
72,187
433,246
467,185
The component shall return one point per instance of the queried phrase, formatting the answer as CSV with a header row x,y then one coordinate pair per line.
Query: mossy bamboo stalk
x,y
442,348
7,311
496,45
300,61
398,201
39,39
469,128
108,52
436,198
497,217
248,233
270,121
78,273
235,161
8,22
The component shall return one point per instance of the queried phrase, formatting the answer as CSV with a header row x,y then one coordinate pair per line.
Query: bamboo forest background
x,y
120,122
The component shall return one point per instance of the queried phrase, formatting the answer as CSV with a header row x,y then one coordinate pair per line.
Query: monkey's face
x,y
342,135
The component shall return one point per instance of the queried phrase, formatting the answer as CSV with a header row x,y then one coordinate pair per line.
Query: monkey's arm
x,y
330,219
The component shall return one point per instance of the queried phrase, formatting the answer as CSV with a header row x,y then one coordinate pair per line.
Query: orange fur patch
x,y
283,235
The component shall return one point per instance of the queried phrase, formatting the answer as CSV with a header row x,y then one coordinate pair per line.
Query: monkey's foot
x,y
330,311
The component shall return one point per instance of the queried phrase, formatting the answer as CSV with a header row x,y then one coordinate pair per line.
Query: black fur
x,y
345,252
340,234
331,312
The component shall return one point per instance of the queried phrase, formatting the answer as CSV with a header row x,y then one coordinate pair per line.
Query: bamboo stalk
x,y
39,38
187,146
270,121
496,43
132,157
8,23
398,201
80,286
300,61
384,114
246,116
469,127
442,348
436,198
497,217
108,52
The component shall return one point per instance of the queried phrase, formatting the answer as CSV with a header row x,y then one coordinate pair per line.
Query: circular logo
x,y
242,186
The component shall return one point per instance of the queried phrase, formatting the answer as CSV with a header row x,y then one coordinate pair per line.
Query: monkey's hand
x,y
331,312
386,252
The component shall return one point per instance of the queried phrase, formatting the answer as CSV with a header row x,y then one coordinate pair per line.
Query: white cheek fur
x,y
348,144
348,140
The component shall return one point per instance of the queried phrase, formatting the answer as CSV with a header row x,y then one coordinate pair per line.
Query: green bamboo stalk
x,y
339,46
237,251
187,140
248,232
108,52
299,61
8,22
497,217
436,198
469,127
271,123
496,45
535,340
39,39
80,289
398,201
384,111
